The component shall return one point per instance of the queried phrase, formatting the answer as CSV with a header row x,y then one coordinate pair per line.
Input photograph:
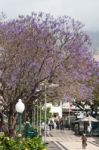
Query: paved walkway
x,y
66,140
53,146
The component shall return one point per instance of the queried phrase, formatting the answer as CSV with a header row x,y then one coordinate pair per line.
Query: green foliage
x,y
20,143
48,114
95,104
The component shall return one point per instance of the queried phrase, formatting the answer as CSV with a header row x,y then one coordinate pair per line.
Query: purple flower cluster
x,y
40,47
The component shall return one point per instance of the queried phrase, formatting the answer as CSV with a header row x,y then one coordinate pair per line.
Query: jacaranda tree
x,y
37,48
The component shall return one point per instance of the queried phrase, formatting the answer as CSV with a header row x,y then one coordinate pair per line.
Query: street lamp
x,y
39,112
47,85
40,116
34,113
20,108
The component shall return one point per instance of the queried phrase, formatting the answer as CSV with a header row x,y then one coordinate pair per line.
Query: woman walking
x,y
84,141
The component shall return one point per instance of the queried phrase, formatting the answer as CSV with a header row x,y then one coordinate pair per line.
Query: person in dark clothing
x,y
61,124
57,124
84,141
51,125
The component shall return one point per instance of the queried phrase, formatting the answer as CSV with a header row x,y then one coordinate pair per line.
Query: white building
x,y
66,107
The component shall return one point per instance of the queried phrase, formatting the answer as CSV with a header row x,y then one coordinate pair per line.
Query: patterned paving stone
x,y
53,146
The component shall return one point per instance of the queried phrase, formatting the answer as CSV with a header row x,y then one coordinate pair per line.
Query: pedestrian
x,y
61,125
57,124
42,128
51,125
47,130
89,130
84,141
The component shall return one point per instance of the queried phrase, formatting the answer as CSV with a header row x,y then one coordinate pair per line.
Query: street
x,y
66,140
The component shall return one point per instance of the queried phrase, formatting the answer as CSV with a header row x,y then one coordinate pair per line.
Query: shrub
x,y
20,143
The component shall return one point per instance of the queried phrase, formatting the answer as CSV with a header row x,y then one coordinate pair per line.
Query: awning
x,y
87,119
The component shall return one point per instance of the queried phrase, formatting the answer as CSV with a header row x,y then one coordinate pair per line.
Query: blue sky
x,y
86,11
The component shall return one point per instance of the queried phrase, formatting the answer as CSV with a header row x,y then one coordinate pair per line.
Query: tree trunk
x,y
1,121
24,116
11,120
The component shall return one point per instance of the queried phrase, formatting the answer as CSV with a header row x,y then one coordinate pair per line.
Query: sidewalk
x,y
66,140
53,146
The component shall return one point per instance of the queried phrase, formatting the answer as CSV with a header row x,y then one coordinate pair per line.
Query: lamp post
x,y
37,115
40,117
33,115
45,113
47,85
20,108
69,114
